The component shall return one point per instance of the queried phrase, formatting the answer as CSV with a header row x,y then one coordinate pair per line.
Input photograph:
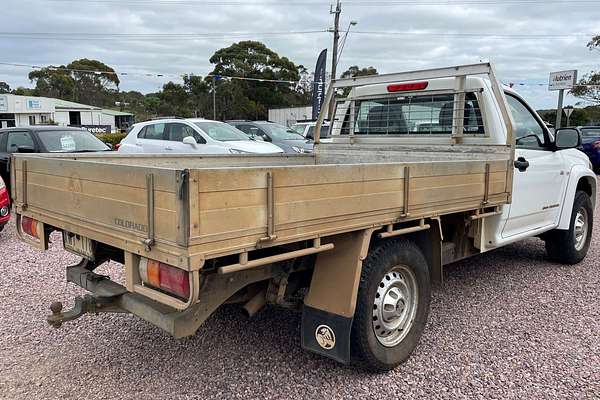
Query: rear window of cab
x,y
412,115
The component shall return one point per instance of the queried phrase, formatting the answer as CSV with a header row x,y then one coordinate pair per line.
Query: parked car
x,y
307,129
44,139
4,205
290,141
590,144
198,136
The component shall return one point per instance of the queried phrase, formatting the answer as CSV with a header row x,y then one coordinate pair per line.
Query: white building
x,y
289,116
18,111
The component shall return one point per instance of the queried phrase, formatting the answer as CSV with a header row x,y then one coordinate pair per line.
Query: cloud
x,y
517,59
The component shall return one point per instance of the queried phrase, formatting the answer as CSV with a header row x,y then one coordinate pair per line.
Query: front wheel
x,y
571,246
392,305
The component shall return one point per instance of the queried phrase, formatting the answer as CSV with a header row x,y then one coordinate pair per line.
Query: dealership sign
x,y
95,129
562,80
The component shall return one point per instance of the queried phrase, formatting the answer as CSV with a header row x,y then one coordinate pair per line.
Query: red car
x,y
4,205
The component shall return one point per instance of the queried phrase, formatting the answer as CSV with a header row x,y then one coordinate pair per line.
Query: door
x,y
74,118
176,132
539,177
11,142
151,138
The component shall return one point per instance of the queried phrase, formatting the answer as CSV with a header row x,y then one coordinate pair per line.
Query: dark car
x,y
590,144
44,139
289,140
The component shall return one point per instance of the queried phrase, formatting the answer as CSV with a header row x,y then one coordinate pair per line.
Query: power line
x,y
160,75
473,34
85,36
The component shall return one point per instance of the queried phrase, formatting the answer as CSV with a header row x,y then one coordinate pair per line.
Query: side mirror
x,y
567,138
25,149
190,140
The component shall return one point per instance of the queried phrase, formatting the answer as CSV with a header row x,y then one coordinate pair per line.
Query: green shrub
x,y
111,138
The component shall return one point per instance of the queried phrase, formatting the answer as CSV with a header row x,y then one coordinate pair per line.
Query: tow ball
x,y
83,305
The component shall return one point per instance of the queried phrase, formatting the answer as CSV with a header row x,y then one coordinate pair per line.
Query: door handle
x,y
168,148
521,164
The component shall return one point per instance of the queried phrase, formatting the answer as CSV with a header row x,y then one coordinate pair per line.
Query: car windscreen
x,y
590,132
298,128
71,141
221,132
280,132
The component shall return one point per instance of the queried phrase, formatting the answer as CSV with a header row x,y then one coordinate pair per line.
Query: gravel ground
x,y
506,325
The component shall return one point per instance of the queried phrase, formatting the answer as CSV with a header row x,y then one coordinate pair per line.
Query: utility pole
x,y
336,38
214,98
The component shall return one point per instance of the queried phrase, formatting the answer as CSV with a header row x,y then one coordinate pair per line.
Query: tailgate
x,y
124,206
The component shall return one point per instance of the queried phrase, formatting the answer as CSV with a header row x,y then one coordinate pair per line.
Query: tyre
x,y
571,246
392,306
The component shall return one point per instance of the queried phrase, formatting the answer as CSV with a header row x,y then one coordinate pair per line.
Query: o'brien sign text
x,y
562,80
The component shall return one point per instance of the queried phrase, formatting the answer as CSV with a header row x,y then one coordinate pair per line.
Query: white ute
x,y
196,136
422,169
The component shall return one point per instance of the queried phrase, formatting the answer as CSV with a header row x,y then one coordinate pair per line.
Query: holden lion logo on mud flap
x,y
325,337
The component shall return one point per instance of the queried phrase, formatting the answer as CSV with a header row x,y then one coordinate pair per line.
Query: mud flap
x,y
326,334
331,299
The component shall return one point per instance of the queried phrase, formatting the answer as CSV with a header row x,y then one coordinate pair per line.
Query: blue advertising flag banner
x,y
319,85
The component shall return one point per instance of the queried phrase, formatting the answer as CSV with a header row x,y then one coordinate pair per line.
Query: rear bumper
x,y
108,296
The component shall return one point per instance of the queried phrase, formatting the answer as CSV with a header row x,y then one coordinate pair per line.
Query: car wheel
x,y
571,246
392,306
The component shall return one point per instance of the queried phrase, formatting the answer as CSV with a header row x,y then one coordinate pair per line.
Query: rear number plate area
x,y
79,245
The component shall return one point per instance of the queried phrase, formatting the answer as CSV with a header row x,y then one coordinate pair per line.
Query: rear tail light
x,y
117,146
165,277
596,145
30,226
407,87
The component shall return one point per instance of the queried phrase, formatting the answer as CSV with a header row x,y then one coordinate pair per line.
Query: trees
x,y
199,97
586,91
354,71
580,116
53,82
93,88
4,88
255,60
73,83
95,83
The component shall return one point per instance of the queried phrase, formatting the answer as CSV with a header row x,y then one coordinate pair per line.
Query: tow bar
x,y
105,299
83,305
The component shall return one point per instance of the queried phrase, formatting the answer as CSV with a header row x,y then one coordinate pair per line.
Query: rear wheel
x,y
392,306
571,246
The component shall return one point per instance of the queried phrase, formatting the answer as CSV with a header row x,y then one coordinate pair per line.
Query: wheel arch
x,y
580,179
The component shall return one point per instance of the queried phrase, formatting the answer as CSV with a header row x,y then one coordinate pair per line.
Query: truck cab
x,y
548,167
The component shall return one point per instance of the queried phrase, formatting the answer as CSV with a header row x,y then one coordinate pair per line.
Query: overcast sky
x,y
448,35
